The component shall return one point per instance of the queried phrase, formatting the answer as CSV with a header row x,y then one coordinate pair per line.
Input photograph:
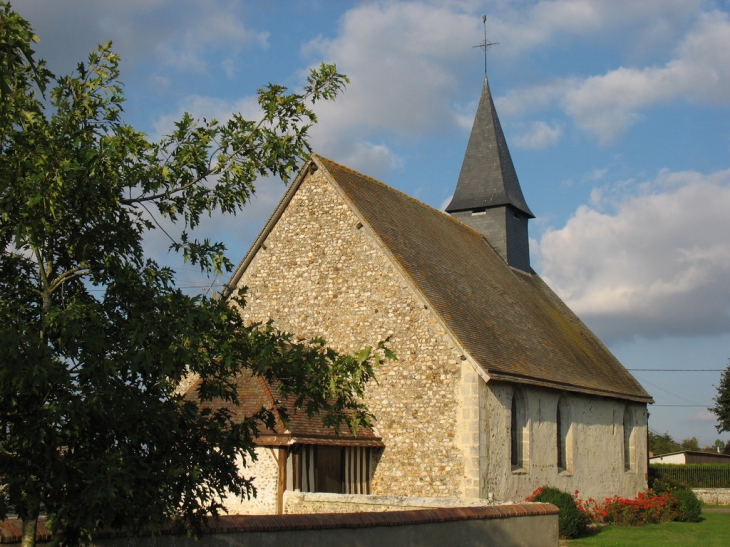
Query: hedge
x,y
693,475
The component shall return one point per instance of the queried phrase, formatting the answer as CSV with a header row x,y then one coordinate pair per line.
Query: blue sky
x,y
617,115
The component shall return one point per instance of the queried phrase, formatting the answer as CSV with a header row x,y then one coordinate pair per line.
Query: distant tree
x,y
722,402
690,444
662,444
95,336
718,446
726,450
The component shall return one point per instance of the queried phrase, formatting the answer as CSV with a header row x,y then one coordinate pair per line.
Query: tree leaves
x,y
722,402
95,336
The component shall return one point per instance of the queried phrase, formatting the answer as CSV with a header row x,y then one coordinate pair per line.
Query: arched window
x,y
519,432
629,441
564,435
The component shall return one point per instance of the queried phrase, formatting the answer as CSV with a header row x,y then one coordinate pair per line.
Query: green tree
x,y
95,336
690,444
662,444
722,402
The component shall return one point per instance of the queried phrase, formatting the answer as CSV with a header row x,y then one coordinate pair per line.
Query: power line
x,y
678,369
695,406
669,392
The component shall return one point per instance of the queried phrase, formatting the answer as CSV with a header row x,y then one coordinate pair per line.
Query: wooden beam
x,y
283,453
297,467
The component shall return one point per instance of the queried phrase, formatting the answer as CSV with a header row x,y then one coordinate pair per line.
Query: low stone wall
x,y
525,525
296,502
713,496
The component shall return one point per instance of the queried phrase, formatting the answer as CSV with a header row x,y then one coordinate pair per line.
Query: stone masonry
x,y
321,272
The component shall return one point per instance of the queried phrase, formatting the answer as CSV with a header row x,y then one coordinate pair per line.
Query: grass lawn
x,y
713,530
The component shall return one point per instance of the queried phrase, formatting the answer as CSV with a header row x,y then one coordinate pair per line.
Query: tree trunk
x,y
30,525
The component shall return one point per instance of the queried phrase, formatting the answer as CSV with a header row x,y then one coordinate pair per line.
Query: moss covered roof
x,y
510,322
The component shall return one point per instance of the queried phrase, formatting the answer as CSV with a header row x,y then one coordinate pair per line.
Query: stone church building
x,y
498,387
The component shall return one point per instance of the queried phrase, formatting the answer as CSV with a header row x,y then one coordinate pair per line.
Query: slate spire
x,y
488,196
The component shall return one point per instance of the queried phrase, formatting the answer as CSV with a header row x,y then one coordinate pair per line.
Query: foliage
x,y
669,502
95,336
662,444
726,450
646,508
693,475
719,446
689,506
690,444
661,484
722,402
572,522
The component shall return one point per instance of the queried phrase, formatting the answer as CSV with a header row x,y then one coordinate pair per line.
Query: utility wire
x,y
677,369
697,406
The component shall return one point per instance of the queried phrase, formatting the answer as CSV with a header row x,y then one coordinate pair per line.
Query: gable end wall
x,y
321,275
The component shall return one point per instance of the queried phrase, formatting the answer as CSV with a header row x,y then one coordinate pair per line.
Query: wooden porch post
x,y
283,453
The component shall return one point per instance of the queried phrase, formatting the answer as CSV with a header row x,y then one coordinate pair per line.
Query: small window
x,y
335,469
629,441
519,438
564,436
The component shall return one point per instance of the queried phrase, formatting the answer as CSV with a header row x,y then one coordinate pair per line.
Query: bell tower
x,y
488,196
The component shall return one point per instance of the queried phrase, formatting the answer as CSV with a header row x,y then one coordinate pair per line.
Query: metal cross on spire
x,y
485,45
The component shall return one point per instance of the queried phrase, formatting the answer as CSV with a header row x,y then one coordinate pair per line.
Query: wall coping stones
x,y
10,530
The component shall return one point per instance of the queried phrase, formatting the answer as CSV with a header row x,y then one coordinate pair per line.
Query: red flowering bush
x,y
646,508
591,508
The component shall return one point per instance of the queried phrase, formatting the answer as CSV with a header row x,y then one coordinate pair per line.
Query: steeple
x,y
488,196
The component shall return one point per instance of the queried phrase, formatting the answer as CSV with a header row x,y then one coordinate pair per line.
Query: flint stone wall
x,y
297,502
713,496
265,473
322,273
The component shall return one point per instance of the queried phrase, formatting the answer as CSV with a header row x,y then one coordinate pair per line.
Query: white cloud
x,y
177,34
606,105
216,29
521,101
445,203
704,416
377,160
653,21
656,264
539,136
401,59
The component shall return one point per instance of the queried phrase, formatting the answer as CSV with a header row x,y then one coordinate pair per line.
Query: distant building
x,y
498,387
691,456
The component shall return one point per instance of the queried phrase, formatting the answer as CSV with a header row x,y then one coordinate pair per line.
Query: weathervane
x,y
485,45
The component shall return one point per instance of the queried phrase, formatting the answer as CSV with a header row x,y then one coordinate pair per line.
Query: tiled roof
x,y
488,177
508,321
254,394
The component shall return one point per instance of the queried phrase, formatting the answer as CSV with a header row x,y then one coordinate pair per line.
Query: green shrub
x,y
694,475
661,484
571,522
689,506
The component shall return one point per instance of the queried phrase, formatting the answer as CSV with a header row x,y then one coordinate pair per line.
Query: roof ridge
x,y
444,214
